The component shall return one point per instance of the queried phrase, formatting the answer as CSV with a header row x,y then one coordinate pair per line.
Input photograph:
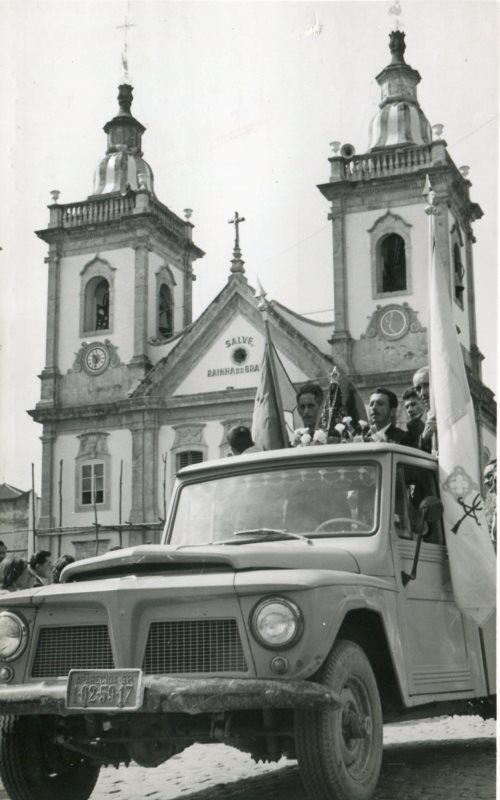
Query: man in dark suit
x,y
416,412
382,410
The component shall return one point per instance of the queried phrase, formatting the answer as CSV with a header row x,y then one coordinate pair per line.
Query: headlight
x,y
13,636
277,623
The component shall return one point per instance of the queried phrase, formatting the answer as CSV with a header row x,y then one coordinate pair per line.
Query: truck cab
x,y
299,599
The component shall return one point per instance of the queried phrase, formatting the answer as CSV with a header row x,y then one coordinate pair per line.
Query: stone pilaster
x,y
339,272
50,374
150,473
144,473
140,359
48,438
189,277
137,505
443,237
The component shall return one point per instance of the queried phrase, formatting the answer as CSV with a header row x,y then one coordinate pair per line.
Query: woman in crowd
x,y
61,562
15,574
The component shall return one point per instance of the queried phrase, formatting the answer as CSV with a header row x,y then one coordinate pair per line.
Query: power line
x,y
475,130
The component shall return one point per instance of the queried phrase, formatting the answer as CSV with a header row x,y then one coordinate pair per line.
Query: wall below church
x,y
66,449
121,332
361,299
207,437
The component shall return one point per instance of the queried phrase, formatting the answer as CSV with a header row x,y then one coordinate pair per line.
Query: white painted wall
x,y
361,303
66,449
213,433
239,333
122,335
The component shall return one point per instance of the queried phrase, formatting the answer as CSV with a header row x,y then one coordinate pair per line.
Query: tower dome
x,y
123,166
400,120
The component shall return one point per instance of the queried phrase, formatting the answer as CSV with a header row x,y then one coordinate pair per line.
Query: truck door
x,y
434,632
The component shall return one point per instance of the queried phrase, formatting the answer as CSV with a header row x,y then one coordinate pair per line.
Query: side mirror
x,y
431,510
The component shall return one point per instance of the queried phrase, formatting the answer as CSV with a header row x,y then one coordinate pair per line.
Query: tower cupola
x,y
400,120
123,167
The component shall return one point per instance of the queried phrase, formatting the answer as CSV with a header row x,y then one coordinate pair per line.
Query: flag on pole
x,y
470,551
274,402
274,412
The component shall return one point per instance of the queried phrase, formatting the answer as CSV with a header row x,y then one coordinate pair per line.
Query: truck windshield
x,y
318,500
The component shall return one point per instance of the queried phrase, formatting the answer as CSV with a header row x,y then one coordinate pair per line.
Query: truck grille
x,y
72,647
194,646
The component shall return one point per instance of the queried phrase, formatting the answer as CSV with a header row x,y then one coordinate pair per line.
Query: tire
x,y
335,762
33,766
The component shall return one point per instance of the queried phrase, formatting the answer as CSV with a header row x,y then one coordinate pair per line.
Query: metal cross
x,y
236,221
126,25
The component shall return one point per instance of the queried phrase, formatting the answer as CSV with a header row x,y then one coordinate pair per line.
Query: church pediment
x,y
224,349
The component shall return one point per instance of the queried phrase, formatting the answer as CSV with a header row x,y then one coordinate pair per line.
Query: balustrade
x,y
107,209
386,162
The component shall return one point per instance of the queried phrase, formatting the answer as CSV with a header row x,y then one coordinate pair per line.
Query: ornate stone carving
x,y
392,322
387,222
93,445
187,434
114,358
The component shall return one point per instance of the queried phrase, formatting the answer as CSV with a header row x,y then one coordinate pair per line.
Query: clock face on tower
x,y
96,359
393,322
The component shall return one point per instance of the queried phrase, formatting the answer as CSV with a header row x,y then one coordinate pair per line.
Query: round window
x,y
239,355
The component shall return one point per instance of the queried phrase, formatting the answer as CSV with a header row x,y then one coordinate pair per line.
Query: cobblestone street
x,y
451,757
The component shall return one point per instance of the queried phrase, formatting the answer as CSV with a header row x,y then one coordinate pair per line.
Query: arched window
x,y
390,256
392,267
96,297
165,311
96,305
458,275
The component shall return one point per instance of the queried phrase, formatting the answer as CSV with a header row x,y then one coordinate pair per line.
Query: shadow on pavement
x,y
436,770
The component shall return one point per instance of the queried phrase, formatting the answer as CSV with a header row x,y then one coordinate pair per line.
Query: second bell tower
x,y
381,240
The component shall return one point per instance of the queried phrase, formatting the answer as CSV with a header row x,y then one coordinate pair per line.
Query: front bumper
x,y
163,694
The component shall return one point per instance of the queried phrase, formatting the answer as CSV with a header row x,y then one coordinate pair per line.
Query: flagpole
x,y
431,211
270,350
262,306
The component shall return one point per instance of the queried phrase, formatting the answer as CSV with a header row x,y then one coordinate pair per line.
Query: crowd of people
x,y
420,428
19,573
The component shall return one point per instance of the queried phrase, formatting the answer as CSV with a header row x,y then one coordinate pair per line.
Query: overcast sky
x,y
241,101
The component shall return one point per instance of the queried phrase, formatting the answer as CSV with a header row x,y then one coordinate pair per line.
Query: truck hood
x,y
161,559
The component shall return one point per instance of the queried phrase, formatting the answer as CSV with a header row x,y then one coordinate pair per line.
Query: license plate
x,y
104,689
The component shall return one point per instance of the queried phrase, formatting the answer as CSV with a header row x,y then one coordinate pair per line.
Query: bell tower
x,y
120,273
381,240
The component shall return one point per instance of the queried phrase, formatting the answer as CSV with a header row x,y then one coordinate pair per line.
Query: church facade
x,y
133,389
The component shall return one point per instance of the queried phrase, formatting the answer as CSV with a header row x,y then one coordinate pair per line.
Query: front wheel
x,y
340,751
33,766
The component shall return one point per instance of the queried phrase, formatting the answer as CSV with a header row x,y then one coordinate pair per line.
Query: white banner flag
x,y
471,554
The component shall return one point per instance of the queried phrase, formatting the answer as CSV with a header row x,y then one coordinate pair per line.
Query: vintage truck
x,y
300,599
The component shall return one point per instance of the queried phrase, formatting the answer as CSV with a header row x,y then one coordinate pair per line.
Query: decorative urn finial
x,y
397,46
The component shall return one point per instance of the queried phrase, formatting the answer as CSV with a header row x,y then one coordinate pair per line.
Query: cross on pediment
x,y
237,262
236,222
